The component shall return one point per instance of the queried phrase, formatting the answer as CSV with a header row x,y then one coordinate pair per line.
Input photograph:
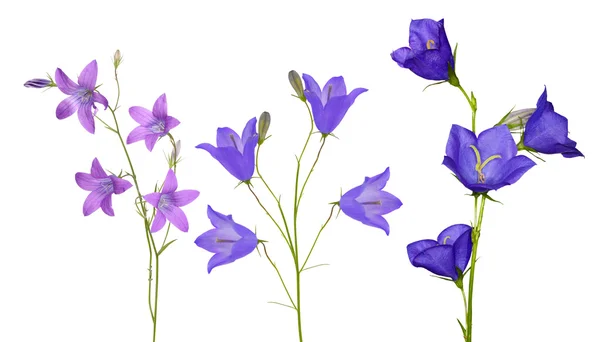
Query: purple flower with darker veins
x,y
229,241
235,154
330,105
168,203
487,162
368,203
153,124
83,96
102,186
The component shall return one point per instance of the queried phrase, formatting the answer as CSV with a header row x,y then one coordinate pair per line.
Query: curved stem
x,y
280,277
473,108
311,171
271,217
317,238
475,237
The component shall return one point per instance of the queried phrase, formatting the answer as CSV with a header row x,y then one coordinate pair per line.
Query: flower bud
x,y
117,58
38,83
296,83
176,150
263,126
516,119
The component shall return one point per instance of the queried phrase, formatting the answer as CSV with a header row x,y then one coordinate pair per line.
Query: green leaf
x,y
486,196
165,246
462,327
289,306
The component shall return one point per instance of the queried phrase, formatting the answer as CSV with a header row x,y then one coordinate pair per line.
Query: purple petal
x,y
99,98
142,116
459,137
248,158
160,107
226,137
229,157
86,118
170,184
153,198
332,115
220,221
496,140
377,221
438,260
64,83
246,244
417,247
423,31
387,204
106,206
379,181
213,241
467,159
96,170
138,133
462,250
450,234
87,78
333,88
151,140
249,131
86,181
219,259
184,197
401,55
515,168
159,222
176,216
316,106
312,85
120,185
67,107
170,123
93,201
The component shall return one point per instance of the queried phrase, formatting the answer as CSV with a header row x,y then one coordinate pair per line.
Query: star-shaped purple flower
x,y
429,53
83,96
487,162
168,203
153,124
229,241
368,202
102,186
330,105
235,154
450,252
547,131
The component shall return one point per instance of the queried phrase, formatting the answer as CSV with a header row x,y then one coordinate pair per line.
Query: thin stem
x,y
317,238
279,275
475,237
462,291
473,108
271,217
311,171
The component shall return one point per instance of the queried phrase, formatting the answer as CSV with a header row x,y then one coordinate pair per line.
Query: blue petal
x,y
249,131
312,86
438,260
450,234
227,137
417,247
462,249
459,137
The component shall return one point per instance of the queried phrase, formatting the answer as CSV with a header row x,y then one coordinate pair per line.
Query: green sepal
x,y
452,78
165,246
436,83
473,102
504,118
486,196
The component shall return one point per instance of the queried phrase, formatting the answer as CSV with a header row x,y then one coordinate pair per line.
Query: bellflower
x,y
229,241
487,162
368,202
102,186
546,131
429,54
330,105
168,202
83,96
38,83
153,124
443,257
235,154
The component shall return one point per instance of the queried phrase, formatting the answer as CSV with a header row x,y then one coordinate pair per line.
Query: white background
x,y
66,277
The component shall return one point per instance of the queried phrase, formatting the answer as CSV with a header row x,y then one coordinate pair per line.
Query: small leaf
x,y
165,246
462,327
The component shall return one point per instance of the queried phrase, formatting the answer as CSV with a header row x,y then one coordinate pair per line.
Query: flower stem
x,y
317,238
475,238
473,107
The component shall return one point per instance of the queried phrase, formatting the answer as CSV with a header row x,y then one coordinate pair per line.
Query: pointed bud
x,y
263,126
516,120
176,150
38,83
117,58
296,83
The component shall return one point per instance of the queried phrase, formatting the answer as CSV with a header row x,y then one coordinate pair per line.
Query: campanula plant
x,y
164,200
367,203
482,163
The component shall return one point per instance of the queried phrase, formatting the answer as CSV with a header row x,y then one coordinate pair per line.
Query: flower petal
x,y
221,221
142,116
248,158
316,106
402,55
515,168
137,134
87,78
450,234
312,85
377,221
99,98
496,141
184,197
219,259
86,118
459,137
159,222
176,216
86,181
226,137
462,250
96,170
229,157
212,241
64,83
153,198
170,184
160,107
333,88
249,131
379,181
106,206
387,204
438,260
246,244
170,123
120,185
93,201
67,107
417,247
151,140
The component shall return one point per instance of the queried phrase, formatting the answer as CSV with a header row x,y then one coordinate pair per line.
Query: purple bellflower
x,y
487,162
154,124
443,257
229,241
102,186
429,54
83,96
546,131
330,105
235,154
368,202
168,203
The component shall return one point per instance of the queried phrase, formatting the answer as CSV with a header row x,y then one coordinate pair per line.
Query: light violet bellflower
x,y
154,124
429,55
547,131
83,96
487,162
229,240
445,256
368,203
102,186
330,105
235,154
168,202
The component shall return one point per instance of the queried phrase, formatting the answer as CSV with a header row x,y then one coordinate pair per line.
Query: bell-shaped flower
x,y
83,96
329,106
153,124
368,202
429,54
447,256
102,186
547,131
235,154
229,241
168,202
487,162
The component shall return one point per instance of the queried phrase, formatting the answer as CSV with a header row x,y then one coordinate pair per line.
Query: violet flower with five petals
x,y
368,202
330,105
102,186
168,202
83,96
229,241
153,124
235,154
446,256
487,162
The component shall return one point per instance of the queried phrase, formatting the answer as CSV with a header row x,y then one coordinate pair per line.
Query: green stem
x,y
271,217
317,238
280,277
475,237
473,108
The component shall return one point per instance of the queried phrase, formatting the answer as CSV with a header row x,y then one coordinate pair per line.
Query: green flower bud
x,y
516,120
263,127
296,83
117,58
